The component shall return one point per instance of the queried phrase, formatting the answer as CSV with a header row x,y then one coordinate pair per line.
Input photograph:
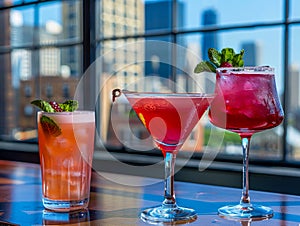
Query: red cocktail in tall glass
x,y
169,117
246,102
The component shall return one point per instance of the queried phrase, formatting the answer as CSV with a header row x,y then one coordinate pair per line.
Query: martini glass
x,y
169,118
246,102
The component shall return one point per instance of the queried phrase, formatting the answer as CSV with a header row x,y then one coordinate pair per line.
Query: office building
x,y
210,38
159,18
252,53
8,114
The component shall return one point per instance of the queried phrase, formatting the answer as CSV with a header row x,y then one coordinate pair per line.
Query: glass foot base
x,y
240,212
65,206
157,215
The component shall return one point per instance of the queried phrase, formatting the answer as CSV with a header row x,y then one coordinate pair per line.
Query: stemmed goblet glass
x,y
169,117
246,102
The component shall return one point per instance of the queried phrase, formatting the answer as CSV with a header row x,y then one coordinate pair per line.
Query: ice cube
x,y
248,86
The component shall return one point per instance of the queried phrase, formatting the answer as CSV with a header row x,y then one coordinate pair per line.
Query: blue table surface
x,y
114,201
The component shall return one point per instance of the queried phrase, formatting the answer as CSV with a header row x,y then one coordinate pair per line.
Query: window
x,y
45,51
40,54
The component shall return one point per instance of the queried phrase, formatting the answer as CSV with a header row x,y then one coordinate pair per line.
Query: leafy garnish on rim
x,y
69,105
49,125
43,105
226,58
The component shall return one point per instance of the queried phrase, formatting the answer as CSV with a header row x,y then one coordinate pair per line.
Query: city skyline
x,y
194,7
57,29
56,17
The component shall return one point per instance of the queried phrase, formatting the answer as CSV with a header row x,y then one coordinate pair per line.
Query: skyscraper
x,y
210,39
71,56
294,87
8,118
159,17
251,53
117,20
120,58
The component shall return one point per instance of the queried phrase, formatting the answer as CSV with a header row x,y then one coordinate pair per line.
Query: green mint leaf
x,y
214,56
43,105
49,126
217,59
238,59
69,105
241,63
227,55
204,66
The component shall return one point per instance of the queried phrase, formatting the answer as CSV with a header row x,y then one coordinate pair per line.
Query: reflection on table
x,y
118,203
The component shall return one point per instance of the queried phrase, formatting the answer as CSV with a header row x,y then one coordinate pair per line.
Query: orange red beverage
x,y
66,159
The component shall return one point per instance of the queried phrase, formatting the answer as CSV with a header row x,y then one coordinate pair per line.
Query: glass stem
x,y
170,201
245,199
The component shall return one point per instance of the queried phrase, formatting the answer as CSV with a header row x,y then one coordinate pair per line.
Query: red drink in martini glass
x,y
246,102
169,118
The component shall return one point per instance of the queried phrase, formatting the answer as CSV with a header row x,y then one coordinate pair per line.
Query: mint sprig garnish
x,y
215,57
43,105
69,105
49,126
226,58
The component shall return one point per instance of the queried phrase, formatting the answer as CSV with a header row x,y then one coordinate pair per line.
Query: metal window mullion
x,y
89,52
175,32
36,52
286,91
174,41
